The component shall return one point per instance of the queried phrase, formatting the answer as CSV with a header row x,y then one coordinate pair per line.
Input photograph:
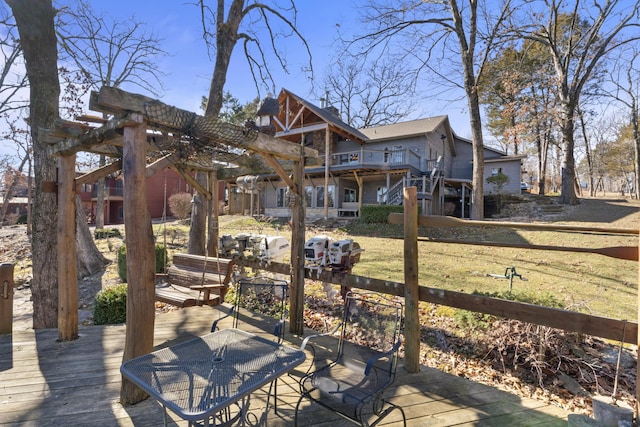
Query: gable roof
x,y
327,116
404,129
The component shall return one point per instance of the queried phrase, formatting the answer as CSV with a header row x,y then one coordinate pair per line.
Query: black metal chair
x,y
260,305
353,383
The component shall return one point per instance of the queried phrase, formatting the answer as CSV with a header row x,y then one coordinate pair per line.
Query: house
x,y
372,165
160,186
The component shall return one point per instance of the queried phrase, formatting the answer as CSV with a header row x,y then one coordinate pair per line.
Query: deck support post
x,y
296,321
411,286
140,253
66,249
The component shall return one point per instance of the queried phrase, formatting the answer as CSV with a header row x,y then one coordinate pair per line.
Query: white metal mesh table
x,y
202,378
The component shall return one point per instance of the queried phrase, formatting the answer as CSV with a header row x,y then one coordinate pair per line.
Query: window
x,y
119,187
382,195
398,154
349,195
495,171
281,197
320,196
308,196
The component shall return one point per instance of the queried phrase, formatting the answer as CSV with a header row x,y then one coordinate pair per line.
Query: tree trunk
x,y
100,196
568,178
35,22
198,229
636,146
477,193
89,258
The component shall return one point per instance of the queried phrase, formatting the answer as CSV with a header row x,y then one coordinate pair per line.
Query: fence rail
x,y
603,327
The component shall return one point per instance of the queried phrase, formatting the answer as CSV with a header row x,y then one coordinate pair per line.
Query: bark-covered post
x,y
411,286
296,321
140,254
67,253
6,298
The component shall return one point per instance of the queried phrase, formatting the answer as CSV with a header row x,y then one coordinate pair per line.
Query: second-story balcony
x,y
109,191
384,159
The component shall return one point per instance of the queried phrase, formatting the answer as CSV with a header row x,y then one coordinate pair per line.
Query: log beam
x,y
116,101
97,174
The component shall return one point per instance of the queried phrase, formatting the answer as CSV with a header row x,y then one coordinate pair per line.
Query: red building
x,y
160,186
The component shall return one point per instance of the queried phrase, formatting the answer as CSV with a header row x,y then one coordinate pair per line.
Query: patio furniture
x,y
260,307
364,366
211,378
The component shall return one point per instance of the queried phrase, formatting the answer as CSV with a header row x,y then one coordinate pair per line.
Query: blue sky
x,y
190,68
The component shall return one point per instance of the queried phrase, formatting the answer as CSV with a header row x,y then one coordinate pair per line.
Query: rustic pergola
x,y
183,141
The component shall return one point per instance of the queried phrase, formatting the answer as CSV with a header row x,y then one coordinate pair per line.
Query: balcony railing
x,y
109,191
365,157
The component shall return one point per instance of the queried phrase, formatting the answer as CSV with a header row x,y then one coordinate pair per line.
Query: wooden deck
x,y
48,383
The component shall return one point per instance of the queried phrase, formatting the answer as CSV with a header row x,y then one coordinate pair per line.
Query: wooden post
x,y
411,286
140,254
296,321
327,166
6,298
66,248
213,214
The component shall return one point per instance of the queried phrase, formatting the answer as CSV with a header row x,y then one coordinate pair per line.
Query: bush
x,y
376,214
103,233
180,205
110,305
161,256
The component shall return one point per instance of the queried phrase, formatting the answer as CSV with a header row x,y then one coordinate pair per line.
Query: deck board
x,y
44,382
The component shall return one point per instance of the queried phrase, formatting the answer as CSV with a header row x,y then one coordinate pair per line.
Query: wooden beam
x,y
66,251
113,100
161,163
99,173
141,261
296,316
277,167
448,221
301,130
629,253
193,181
88,140
411,286
581,323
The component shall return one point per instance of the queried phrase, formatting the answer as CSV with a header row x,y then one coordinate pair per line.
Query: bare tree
x,y
625,80
578,35
110,53
370,94
428,35
12,80
259,26
35,23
